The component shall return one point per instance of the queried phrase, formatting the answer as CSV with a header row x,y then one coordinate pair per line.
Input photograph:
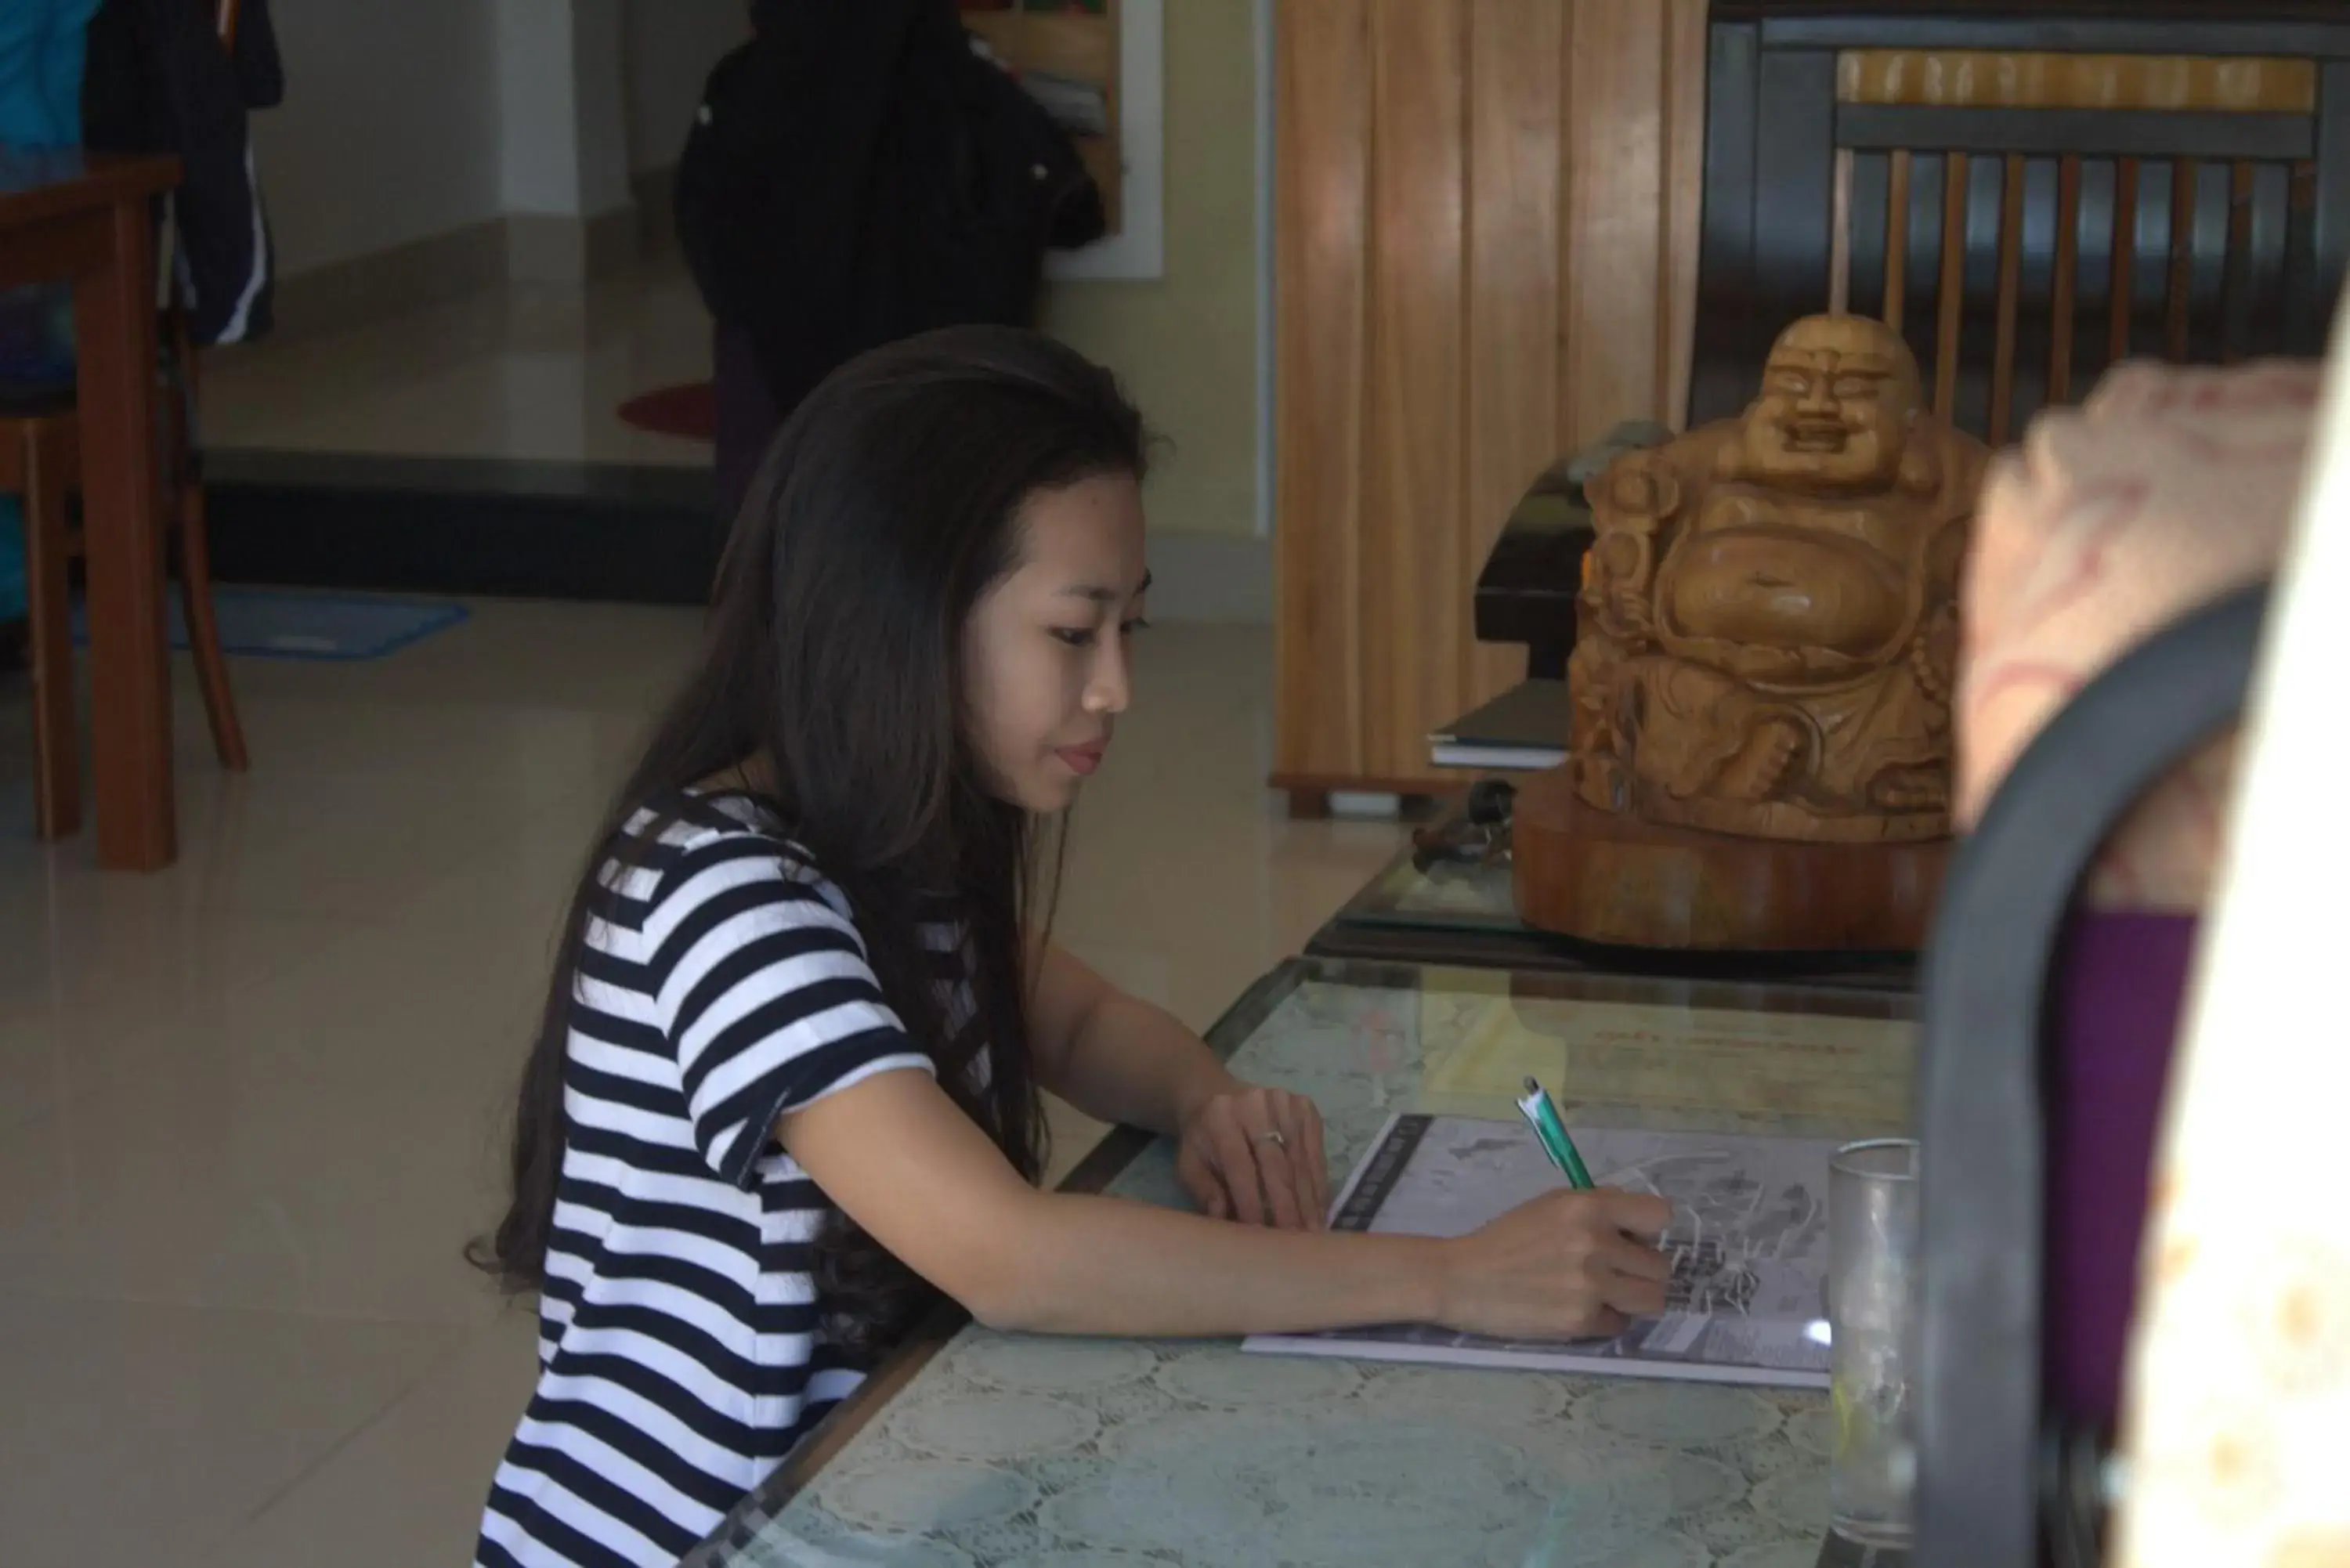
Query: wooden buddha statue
x,y
1764,650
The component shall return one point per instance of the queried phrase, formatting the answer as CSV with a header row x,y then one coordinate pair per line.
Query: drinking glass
x,y
1872,1258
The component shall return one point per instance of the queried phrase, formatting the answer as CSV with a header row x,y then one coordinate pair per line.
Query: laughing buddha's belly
x,y
1772,586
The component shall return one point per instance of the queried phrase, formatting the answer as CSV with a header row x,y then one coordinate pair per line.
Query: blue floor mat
x,y
287,623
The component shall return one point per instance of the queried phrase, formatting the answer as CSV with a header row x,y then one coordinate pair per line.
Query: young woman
x,y
786,1088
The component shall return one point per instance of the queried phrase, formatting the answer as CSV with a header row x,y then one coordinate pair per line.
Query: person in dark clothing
x,y
859,173
746,415
159,81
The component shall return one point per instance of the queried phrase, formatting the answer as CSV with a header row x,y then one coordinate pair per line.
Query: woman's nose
x,y
1109,689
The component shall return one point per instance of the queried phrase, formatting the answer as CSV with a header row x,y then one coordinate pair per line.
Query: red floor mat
x,y
690,411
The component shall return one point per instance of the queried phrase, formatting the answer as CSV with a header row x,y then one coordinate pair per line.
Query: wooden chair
x,y
40,461
2028,200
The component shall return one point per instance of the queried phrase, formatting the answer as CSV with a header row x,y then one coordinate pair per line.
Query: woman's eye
x,y
1085,636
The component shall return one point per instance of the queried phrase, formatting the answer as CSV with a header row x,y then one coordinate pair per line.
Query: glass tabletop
x,y
977,1449
1448,895
1441,910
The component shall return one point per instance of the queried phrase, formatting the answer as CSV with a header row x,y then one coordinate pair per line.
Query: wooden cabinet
x,y
1486,251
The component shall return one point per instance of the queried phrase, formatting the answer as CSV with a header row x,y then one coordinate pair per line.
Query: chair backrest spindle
x,y
1897,239
1952,290
2064,286
2010,296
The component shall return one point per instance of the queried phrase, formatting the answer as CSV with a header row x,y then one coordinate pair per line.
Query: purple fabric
x,y
747,416
2118,999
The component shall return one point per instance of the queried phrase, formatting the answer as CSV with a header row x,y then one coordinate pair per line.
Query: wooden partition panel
x,y
1486,256
1323,132
1517,276
1415,385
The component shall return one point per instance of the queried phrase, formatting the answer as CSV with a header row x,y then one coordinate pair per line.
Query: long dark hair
x,y
833,658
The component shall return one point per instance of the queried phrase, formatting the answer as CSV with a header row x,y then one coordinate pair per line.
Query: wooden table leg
x,y
131,692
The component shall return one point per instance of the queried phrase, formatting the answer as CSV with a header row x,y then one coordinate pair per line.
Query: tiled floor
x,y
250,1108
532,373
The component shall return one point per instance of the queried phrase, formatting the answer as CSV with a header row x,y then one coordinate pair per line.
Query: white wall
x,y
538,126
1185,343
601,104
670,46
390,129
562,111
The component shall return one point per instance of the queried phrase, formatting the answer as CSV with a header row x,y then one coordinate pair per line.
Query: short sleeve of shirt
x,y
763,992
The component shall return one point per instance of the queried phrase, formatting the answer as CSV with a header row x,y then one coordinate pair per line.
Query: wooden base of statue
x,y
1602,877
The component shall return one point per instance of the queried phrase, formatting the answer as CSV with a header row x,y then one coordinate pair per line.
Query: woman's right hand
x,y
1568,1265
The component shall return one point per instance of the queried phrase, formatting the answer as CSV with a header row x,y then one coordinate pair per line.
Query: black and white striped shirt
x,y
679,1351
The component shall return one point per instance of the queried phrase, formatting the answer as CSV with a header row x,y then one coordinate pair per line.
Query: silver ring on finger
x,y
1274,1139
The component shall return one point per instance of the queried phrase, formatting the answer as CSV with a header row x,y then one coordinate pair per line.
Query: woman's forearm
x,y
1136,1065
1085,1265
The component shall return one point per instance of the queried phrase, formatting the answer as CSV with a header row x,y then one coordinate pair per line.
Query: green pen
x,y
1543,1115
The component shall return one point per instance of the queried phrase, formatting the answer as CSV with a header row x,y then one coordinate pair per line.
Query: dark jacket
x,y
159,81
858,173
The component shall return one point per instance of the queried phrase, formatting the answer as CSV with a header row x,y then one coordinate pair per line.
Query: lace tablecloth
x,y
1016,1452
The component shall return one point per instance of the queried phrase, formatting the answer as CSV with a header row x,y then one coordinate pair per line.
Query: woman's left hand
x,y
1255,1155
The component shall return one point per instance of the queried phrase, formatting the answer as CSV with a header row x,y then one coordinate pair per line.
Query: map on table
x,y
1749,1244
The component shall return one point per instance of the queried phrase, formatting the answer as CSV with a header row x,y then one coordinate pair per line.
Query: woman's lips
x,y
1082,760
